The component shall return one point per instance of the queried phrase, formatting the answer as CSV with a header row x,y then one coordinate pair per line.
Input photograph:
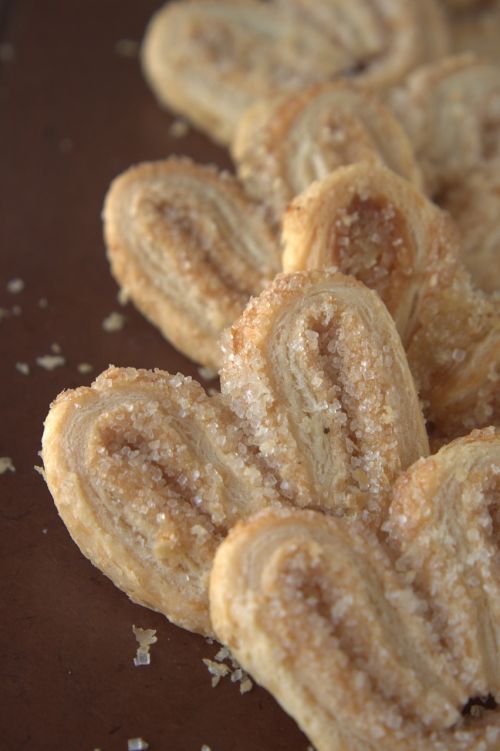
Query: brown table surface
x,y
74,113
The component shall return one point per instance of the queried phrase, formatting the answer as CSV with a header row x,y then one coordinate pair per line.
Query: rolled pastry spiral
x,y
149,474
388,39
189,247
211,59
374,225
316,370
450,546
451,111
283,144
340,629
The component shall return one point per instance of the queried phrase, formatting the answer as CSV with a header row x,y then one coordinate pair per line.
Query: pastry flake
x,y
189,247
369,644
149,474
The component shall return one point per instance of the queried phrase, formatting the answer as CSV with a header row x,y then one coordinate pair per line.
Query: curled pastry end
x,y
148,474
444,528
316,370
370,223
189,247
313,608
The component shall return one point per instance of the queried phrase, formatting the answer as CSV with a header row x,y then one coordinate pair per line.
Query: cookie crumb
x,y
216,669
23,367
145,637
85,367
56,348
178,129
43,303
123,297
137,744
45,530
127,48
14,286
246,685
50,362
114,322
205,747
6,464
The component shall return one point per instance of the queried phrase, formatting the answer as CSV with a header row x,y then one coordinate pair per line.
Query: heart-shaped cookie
x,y
319,410
189,247
212,59
377,643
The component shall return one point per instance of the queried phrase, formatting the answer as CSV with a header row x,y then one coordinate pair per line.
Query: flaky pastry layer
x,y
369,644
149,474
376,226
189,247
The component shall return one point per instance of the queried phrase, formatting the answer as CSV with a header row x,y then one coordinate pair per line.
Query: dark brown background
x,y
73,113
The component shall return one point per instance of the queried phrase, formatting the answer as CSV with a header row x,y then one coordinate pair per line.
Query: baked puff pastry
x,y
284,144
316,370
374,225
451,111
189,247
149,474
211,59
387,38
369,644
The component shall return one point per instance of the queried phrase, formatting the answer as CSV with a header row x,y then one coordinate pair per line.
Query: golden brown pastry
x,y
370,223
448,545
149,474
283,144
189,247
451,111
211,59
387,38
316,370
370,647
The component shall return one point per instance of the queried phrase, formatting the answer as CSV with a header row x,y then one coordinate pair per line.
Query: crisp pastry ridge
x,y
284,144
370,223
376,642
277,46
451,111
189,247
149,474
